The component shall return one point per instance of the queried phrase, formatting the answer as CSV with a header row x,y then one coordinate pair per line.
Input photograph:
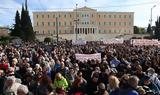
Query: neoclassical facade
x,y
85,23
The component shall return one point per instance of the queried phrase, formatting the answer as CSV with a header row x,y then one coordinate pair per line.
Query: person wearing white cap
x,y
11,85
22,90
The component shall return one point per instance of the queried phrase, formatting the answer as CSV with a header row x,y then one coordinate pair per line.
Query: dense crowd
x,y
37,69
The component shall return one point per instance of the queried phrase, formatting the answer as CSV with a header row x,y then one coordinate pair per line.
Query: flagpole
x,y
85,2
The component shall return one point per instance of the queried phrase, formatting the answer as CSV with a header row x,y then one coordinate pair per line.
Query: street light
x,y
57,30
151,15
76,21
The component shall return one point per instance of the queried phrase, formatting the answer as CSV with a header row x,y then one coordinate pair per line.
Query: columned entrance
x,y
85,30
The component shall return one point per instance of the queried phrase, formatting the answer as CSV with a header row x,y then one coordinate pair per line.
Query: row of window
x,y
114,16
115,23
55,32
53,24
86,23
83,32
114,31
85,15
54,16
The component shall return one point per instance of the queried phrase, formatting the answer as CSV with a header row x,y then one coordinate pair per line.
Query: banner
x,y
16,41
84,57
78,42
144,42
113,41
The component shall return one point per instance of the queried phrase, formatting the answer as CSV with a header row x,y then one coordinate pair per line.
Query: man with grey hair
x,y
10,86
22,90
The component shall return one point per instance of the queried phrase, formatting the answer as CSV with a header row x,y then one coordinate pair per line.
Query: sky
x,y
141,8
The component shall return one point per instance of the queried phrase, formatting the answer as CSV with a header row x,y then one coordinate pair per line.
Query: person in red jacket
x,y
4,65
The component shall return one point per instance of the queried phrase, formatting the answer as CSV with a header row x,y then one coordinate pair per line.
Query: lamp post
x,y
76,21
57,29
151,15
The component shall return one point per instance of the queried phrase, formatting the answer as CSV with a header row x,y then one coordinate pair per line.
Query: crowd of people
x,y
36,69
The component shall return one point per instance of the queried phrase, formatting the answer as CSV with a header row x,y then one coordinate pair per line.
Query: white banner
x,y
113,41
16,41
78,42
144,42
84,57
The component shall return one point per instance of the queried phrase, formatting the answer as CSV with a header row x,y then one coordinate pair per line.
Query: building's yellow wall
x,y
118,23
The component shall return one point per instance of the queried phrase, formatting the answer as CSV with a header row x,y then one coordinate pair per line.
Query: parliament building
x,y
82,23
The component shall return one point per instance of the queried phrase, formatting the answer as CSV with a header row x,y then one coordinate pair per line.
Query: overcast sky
x,y
141,8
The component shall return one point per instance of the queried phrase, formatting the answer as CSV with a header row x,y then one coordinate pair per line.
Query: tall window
x,y
82,15
49,32
48,16
59,15
64,16
53,23
114,16
48,23
43,31
53,16
37,23
42,16
129,16
70,31
59,23
42,23
124,23
109,23
37,16
125,16
64,23
99,31
110,16
119,23
119,16
114,23
92,15
99,23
